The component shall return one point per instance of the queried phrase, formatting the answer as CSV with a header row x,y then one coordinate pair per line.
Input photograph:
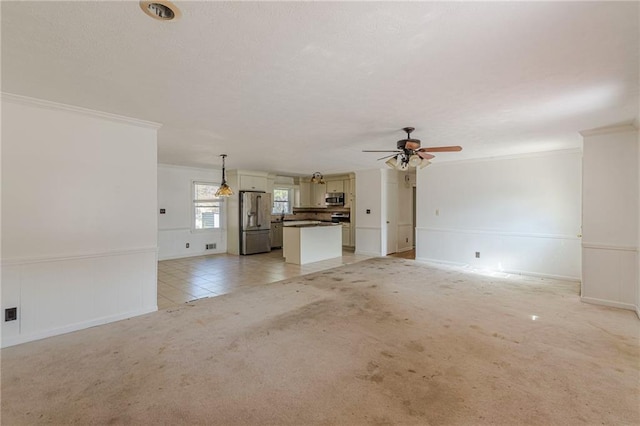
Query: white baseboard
x,y
505,271
12,341
443,262
610,303
182,256
539,275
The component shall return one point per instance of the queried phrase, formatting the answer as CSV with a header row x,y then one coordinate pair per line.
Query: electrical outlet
x,y
407,239
11,314
478,255
187,245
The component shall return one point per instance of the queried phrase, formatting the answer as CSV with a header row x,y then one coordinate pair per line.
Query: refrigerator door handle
x,y
258,219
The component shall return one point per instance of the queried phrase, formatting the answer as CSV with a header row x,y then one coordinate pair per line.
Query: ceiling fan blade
x,y
441,149
412,144
389,156
425,155
376,150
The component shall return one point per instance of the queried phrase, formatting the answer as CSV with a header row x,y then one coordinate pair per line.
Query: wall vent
x,y
210,246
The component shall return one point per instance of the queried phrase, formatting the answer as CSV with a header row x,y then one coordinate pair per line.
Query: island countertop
x,y
308,225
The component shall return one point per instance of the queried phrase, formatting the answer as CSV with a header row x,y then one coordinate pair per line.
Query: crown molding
x,y
631,126
25,100
508,157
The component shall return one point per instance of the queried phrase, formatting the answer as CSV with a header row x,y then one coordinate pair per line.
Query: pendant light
x,y
224,190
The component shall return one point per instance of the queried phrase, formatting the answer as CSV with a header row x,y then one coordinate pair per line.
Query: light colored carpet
x,y
384,341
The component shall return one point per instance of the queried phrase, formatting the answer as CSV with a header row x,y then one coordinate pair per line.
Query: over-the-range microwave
x,y
334,199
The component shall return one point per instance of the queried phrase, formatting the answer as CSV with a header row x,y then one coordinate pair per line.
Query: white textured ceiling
x,y
298,87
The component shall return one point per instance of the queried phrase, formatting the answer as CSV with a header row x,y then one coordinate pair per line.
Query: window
x,y
282,201
207,208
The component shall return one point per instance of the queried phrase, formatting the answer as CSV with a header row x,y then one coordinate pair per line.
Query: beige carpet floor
x,y
381,342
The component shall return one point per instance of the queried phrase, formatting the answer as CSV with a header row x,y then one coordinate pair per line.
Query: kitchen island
x,y
309,241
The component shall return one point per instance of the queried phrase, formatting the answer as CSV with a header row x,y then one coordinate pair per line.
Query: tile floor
x,y
186,279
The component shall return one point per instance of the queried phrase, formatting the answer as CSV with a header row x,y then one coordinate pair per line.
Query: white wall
x,y
78,218
174,227
521,213
610,217
369,229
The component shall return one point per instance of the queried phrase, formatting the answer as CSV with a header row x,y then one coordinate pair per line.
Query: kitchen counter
x,y
311,242
306,225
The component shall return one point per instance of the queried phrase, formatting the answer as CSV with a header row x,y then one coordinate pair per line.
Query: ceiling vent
x,y
160,10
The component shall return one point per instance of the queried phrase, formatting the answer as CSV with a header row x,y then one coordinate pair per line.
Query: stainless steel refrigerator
x,y
255,222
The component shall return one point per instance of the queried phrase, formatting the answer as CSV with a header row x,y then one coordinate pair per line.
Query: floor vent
x,y
210,246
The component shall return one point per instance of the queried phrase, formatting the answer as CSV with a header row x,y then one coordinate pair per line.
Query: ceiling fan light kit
x,y
409,154
415,160
392,162
424,163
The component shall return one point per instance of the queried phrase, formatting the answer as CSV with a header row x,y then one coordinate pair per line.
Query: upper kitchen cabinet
x,y
305,194
249,180
312,194
318,191
348,185
335,186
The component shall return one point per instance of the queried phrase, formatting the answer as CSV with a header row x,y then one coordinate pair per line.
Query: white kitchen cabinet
x,y
312,194
253,183
335,186
346,234
305,194
348,193
318,192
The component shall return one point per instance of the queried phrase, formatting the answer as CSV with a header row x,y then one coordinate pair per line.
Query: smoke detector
x,y
161,10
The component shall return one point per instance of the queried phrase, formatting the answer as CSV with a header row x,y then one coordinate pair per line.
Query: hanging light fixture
x,y
224,190
414,160
317,177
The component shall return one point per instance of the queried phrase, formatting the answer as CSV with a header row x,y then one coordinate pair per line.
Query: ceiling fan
x,y
409,154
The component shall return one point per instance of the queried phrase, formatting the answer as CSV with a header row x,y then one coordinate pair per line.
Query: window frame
x,y
290,198
219,200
